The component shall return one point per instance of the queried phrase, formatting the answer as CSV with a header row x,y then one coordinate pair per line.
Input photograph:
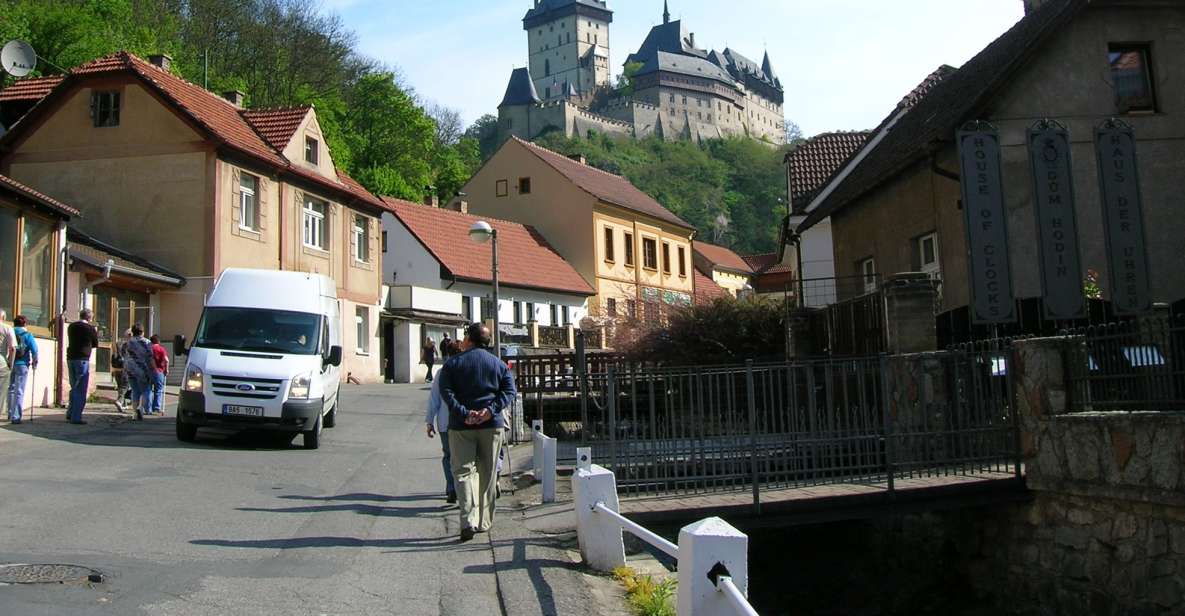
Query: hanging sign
x,y
987,229
1123,220
1057,226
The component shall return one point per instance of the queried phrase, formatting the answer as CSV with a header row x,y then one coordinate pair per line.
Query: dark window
x,y
384,242
530,316
524,186
611,307
629,249
310,150
105,109
631,308
487,309
547,69
682,262
501,188
467,305
518,313
649,253
567,315
666,258
609,252
555,315
1131,73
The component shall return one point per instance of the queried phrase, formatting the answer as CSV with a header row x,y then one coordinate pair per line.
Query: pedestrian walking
x,y
122,389
24,359
476,387
428,356
160,362
139,369
81,340
437,418
7,355
447,350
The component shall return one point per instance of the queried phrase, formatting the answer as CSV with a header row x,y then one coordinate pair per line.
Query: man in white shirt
x,y
7,355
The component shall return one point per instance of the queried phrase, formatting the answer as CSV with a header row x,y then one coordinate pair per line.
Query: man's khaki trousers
x,y
475,464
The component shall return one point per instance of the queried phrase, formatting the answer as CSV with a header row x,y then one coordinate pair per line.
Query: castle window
x,y
672,98
546,67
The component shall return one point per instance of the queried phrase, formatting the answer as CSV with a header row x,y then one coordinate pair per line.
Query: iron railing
x,y
554,337
822,292
1134,366
868,420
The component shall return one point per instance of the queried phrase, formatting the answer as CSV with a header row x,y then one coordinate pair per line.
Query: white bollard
x,y
537,448
549,447
584,457
702,546
601,543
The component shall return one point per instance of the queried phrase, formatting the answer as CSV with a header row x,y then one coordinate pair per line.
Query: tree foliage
x,y
732,190
280,52
726,331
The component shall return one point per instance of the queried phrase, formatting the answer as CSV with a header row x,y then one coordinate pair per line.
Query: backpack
x,y
23,350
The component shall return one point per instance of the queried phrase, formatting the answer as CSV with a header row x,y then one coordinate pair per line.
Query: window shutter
x,y
261,202
236,196
372,231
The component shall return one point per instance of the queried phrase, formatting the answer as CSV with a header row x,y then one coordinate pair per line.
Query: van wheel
x,y
312,438
331,417
186,433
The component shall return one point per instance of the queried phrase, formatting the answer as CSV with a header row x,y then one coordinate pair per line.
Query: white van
x,y
266,355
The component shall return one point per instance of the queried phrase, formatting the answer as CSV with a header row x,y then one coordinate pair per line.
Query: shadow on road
x,y
295,543
534,568
152,433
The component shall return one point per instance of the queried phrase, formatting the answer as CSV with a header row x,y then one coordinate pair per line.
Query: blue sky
x,y
844,63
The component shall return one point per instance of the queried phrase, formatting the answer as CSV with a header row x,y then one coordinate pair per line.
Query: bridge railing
x,y
1134,366
753,427
712,555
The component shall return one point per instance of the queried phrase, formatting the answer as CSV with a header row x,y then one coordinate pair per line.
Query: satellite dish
x,y
18,58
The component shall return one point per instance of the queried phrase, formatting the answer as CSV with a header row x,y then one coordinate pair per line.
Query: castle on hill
x,y
679,91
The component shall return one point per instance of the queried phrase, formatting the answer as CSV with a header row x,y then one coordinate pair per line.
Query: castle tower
x,y
568,46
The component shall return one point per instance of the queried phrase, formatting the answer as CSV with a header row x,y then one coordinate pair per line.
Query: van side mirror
x,y
335,356
179,345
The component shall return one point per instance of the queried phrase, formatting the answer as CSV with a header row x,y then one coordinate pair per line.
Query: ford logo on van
x,y
245,387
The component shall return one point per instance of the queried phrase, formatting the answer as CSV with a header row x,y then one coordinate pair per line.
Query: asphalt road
x,y
242,524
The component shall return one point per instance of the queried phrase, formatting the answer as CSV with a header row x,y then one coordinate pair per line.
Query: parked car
x,y
266,355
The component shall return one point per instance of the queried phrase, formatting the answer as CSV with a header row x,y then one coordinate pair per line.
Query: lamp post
x,y
481,232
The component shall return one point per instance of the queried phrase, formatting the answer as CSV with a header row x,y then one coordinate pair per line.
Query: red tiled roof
x,y
213,114
525,259
605,186
32,89
814,162
13,186
721,257
276,124
706,289
917,94
766,263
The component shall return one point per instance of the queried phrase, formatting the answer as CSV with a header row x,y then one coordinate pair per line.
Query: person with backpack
x,y
7,355
25,358
140,370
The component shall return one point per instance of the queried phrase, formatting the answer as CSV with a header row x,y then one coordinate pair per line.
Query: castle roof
x,y
670,37
521,89
684,65
739,66
549,10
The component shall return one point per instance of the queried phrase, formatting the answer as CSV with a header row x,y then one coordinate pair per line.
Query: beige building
x,y
195,183
724,267
897,207
634,252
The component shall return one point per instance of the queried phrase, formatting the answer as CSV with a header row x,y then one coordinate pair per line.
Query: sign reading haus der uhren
x,y
987,230
1123,220
1057,226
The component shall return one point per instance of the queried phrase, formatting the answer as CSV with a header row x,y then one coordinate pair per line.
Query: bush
x,y
726,331
646,596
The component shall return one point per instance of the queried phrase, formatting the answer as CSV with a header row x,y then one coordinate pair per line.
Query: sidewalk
x,y
51,422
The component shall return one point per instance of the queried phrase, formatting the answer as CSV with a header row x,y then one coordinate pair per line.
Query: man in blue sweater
x,y
477,387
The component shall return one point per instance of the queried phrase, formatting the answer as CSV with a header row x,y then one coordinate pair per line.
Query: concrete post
x,y
601,543
798,334
549,474
571,337
537,447
584,457
534,327
909,313
707,548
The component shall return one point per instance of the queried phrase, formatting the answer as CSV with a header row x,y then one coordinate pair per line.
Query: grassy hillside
x,y
732,190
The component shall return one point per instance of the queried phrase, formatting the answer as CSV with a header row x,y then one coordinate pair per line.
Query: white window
x,y
248,203
928,254
362,319
314,223
868,273
311,150
361,239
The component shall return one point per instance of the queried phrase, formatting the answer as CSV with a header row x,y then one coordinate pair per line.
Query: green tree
x,y
390,139
625,81
485,132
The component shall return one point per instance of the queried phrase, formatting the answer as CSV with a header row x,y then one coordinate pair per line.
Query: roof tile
x,y
721,256
814,162
16,187
707,291
276,124
32,89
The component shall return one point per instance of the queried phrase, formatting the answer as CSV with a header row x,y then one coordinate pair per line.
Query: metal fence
x,y
1134,366
865,420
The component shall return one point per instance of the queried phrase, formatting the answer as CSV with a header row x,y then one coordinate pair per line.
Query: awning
x,y
427,317
124,269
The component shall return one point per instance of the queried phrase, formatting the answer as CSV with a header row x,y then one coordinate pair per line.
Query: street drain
x,y
47,574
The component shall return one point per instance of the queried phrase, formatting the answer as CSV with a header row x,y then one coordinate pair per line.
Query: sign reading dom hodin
x,y
1123,220
987,230
1057,226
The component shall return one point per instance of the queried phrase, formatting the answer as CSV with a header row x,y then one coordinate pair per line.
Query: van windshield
x,y
265,331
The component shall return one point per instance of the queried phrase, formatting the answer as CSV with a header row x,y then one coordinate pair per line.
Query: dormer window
x,y
311,150
105,109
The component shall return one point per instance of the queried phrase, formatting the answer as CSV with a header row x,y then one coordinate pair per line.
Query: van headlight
x,y
194,379
299,389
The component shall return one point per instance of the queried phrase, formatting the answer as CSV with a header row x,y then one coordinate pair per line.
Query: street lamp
x,y
481,232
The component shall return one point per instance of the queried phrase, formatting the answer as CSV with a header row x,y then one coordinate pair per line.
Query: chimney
x,y
460,205
579,158
162,61
432,200
691,39
236,97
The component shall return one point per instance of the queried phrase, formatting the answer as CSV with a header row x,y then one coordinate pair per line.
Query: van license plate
x,y
244,411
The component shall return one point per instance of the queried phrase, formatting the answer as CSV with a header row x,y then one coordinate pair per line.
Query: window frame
x,y
501,188
920,245
1145,51
666,258
524,183
362,330
321,220
313,146
628,240
611,307
646,256
566,315
867,274
553,315
682,252
609,244
518,312
529,315
21,260
244,192
114,100
361,239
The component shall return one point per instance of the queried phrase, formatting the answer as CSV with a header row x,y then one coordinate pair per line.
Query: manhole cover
x,y
47,574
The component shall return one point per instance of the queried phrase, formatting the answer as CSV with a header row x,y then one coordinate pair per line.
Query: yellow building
x,y
725,267
634,252
190,180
